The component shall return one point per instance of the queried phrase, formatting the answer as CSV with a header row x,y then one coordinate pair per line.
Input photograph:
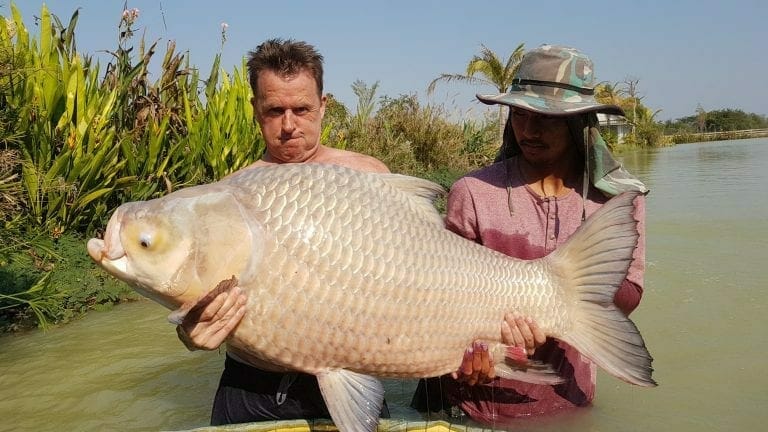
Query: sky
x,y
683,54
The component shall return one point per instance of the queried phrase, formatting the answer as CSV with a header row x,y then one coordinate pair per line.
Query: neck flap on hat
x,y
606,173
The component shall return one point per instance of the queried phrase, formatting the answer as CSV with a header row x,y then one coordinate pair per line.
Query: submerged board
x,y
385,425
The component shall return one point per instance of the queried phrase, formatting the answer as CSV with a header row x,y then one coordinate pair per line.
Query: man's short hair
x,y
285,58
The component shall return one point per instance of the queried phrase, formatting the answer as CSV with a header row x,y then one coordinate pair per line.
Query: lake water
x,y
703,317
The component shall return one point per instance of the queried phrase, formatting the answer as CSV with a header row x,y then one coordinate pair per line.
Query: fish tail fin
x,y
595,261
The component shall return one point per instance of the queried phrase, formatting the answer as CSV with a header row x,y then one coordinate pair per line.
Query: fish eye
x,y
145,241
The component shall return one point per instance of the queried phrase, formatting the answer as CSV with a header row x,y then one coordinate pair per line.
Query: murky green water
x,y
703,316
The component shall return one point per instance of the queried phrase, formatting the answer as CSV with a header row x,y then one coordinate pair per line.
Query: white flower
x,y
130,15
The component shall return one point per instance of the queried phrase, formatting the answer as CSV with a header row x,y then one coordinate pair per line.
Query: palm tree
x,y
608,93
649,130
491,71
365,102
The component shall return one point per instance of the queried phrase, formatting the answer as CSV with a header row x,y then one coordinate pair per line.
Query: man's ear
x,y
323,104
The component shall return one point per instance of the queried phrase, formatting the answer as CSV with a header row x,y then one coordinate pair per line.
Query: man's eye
x,y
550,120
301,111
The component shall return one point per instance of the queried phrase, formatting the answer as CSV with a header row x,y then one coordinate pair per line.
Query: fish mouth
x,y
113,260
109,253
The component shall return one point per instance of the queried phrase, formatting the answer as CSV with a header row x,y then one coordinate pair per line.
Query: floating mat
x,y
385,425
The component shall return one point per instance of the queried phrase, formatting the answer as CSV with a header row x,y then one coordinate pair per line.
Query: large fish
x,y
352,275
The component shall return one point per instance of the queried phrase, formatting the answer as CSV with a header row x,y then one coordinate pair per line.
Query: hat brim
x,y
554,106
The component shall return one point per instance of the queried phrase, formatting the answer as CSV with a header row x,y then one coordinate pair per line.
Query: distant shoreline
x,y
682,138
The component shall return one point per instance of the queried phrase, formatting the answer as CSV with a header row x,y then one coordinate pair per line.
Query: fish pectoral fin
x,y
518,366
194,309
177,317
354,400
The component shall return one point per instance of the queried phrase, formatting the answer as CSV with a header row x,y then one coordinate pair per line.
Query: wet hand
x,y
476,366
522,332
212,319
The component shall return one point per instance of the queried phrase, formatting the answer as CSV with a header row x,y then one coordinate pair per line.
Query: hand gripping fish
x,y
352,275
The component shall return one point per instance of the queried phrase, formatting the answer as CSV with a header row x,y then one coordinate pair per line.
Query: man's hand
x,y
477,365
212,319
522,332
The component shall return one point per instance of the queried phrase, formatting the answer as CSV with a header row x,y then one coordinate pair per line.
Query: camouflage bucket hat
x,y
553,80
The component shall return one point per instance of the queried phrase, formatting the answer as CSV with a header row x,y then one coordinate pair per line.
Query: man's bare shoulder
x,y
334,156
350,159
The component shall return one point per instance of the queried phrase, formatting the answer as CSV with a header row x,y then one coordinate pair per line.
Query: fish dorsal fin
x,y
354,400
423,193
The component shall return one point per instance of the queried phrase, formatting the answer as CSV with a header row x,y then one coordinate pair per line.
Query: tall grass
x,y
89,142
82,143
420,140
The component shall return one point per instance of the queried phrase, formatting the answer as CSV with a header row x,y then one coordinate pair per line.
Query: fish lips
x,y
109,253
113,261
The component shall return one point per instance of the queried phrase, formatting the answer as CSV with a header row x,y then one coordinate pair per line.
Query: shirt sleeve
x,y
461,215
628,295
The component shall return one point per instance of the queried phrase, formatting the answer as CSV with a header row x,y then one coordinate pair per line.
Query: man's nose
x,y
532,126
289,122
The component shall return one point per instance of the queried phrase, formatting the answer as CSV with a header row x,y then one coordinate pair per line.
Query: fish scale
x,y
352,275
356,261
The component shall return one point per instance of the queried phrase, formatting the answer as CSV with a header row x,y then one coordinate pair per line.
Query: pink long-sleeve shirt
x,y
533,227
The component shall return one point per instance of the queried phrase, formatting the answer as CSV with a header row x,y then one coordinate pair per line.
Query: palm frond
x,y
513,65
448,78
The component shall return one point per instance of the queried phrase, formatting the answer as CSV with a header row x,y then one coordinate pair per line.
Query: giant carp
x,y
352,276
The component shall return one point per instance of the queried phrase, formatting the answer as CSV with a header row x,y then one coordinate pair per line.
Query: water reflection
x,y
640,163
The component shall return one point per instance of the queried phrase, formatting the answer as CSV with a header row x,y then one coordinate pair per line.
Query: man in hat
x,y
553,170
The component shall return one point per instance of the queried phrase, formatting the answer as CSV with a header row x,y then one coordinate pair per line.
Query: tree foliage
x,y
724,120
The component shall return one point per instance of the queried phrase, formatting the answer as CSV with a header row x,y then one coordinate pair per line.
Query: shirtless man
x,y
287,82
